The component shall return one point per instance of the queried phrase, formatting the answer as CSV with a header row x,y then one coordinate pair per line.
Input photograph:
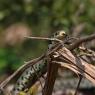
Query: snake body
x,y
29,76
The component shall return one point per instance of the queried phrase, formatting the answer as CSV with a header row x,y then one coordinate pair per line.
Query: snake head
x,y
60,35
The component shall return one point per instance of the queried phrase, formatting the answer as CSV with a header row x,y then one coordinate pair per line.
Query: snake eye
x,y
56,34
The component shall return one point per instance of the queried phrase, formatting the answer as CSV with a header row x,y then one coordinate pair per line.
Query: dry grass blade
x,y
77,71
77,65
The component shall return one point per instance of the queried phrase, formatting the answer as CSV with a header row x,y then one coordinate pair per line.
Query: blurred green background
x,y
19,18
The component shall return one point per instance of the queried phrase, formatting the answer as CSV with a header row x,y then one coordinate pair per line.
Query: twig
x,y
51,77
44,38
80,79
80,41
